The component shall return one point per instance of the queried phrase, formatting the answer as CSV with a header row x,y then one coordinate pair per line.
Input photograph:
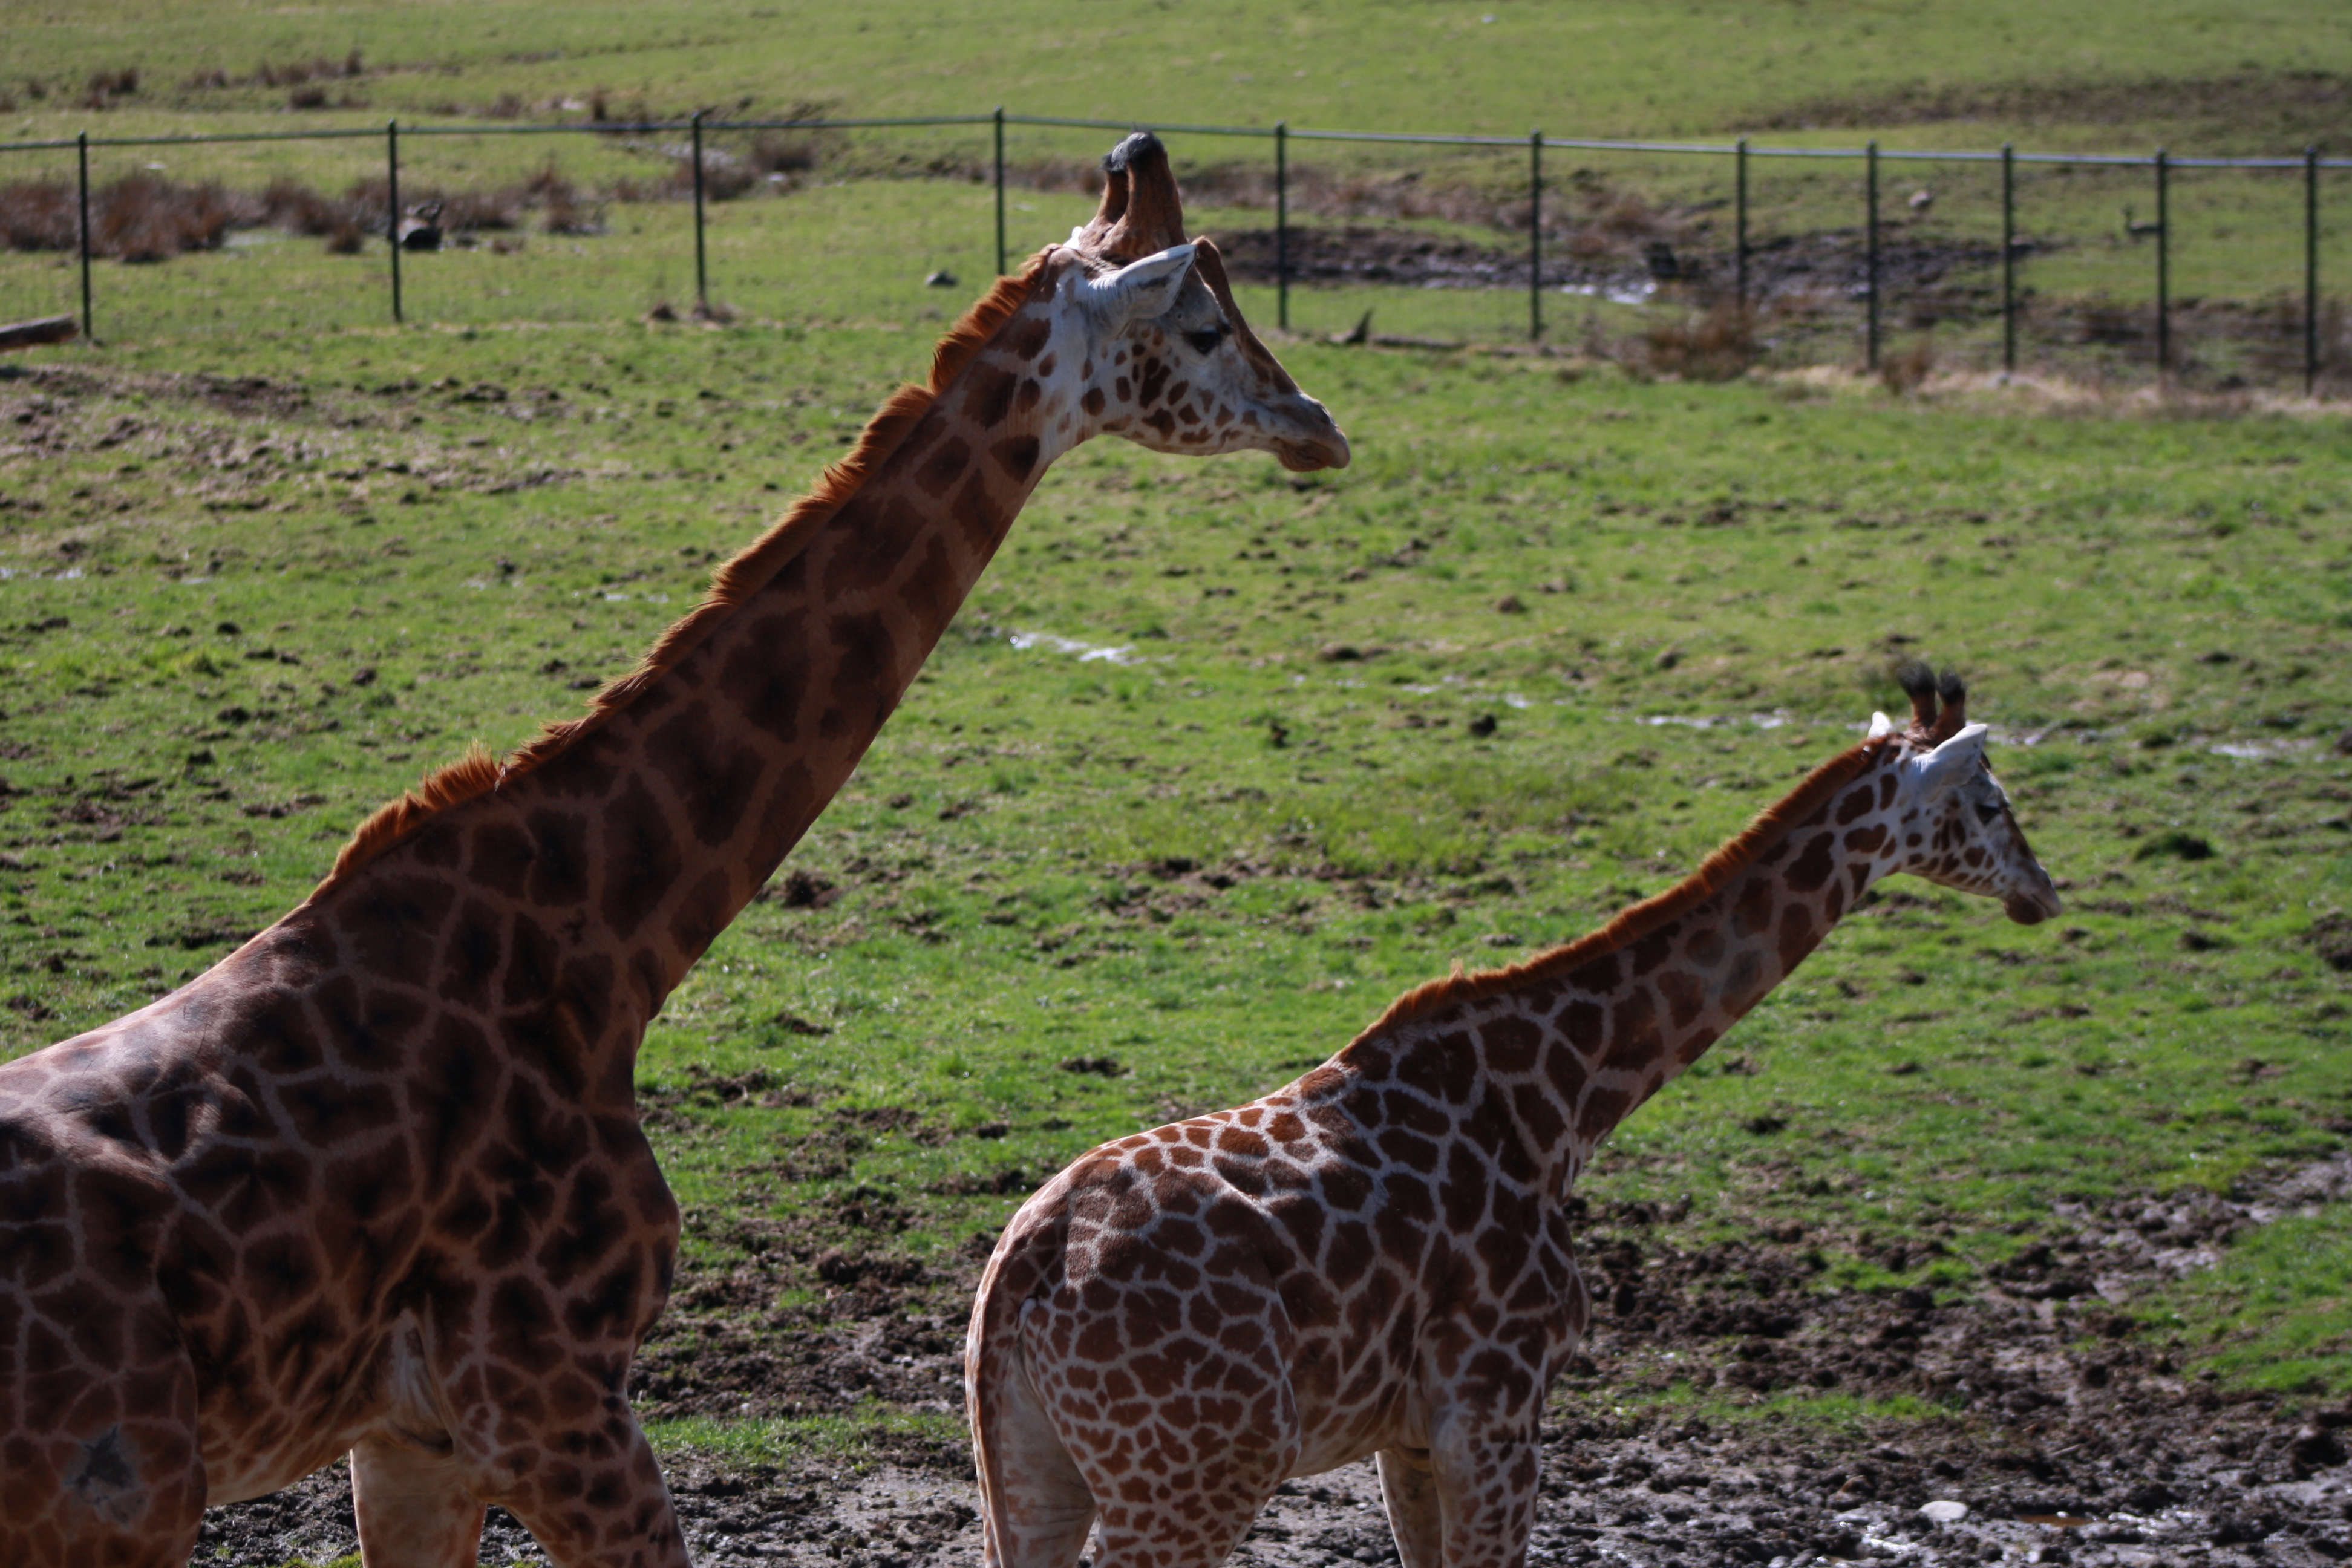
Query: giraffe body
x,y
375,1183
1376,1260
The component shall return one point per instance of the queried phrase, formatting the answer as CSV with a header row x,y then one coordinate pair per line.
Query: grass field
x,y
1609,68
2269,79
245,603
1218,759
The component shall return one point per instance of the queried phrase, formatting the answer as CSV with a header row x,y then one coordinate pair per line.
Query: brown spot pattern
x,y
1377,1260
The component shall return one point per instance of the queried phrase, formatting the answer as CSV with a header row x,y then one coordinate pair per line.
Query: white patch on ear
x,y
1880,726
1954,760
1139,290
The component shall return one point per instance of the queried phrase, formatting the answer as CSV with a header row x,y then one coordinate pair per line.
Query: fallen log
x,y
47,330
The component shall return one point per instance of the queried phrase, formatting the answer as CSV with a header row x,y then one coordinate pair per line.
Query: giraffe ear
x,y
1955,760
1881,726
1140,290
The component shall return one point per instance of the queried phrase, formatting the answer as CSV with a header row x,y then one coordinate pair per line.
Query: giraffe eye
x,y
1988,812
1205,341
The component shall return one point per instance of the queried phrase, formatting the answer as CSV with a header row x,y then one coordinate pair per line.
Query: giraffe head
x,y
1157,350
1952,822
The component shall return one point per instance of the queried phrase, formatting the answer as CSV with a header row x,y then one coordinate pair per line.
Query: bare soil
x,y
1829,266
2068,1438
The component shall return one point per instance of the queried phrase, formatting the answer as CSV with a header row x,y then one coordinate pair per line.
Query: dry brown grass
x,y
38,215
1906,372
292,74
145,217
1717,344
297,208
140,217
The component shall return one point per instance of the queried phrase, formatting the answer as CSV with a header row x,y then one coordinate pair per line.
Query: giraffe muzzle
x,y
1318,442
2031,906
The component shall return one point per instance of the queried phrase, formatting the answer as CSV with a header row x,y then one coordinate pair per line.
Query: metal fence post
x,y
1740,215
1870,277
2009,258
1000,190
1282,224
391,205
2310,270
2163,263
1535,237
81,156
701,273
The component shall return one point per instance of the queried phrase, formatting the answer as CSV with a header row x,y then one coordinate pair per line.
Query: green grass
x,y
2277,1312
1008,857
852,1437
412,564
1613,67
2109,79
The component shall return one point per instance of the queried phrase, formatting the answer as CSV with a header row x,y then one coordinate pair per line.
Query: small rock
x,y
2314,1448
1481,725
1671,658
1944,1511
943,279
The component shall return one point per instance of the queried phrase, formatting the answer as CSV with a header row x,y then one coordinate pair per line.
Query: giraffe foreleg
x,y
1484,1468
414,1506
595,1498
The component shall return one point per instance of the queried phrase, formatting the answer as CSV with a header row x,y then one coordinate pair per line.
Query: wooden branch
x,y
47,330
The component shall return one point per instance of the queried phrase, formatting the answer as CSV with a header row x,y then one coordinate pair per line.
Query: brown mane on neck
x,y
1638,921
478,771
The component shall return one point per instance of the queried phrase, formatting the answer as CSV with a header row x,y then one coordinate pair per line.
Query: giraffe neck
x,y
621,848
1564,1048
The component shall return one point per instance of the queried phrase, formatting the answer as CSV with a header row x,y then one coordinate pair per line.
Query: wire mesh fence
x,y
1683,259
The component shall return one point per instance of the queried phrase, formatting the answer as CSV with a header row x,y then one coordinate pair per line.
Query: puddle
x,y
1084,652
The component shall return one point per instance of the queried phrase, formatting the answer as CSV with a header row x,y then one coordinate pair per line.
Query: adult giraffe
x,y
375,1183
1376,1258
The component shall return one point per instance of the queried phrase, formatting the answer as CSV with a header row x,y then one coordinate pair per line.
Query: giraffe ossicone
x,y
376,1183
1375,1260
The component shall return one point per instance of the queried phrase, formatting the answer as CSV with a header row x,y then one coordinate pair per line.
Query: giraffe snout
x,y
2033,904
1315,442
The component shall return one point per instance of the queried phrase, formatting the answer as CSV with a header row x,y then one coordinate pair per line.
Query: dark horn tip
x,y
1952,688
1916,679
1134,146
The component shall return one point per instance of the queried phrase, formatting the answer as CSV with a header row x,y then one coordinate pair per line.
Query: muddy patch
x,y
1679,257
2052,1433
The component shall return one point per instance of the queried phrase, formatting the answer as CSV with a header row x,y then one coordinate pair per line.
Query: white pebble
x,y
1944,1511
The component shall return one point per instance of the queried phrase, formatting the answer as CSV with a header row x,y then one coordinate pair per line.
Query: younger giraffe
x,y
375,1183
1376,1260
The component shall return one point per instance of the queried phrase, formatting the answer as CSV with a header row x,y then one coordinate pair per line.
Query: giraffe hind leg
x,y
413,1506
1035,1505
1409,1488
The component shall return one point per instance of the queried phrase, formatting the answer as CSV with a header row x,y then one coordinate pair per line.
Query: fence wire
x,y
1692,258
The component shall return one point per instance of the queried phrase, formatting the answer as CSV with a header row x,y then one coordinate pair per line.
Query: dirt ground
x,y
2067,1440
1802,286
1831,263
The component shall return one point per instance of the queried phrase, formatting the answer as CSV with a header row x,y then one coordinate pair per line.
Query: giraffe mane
x,y
1635,922
477,772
